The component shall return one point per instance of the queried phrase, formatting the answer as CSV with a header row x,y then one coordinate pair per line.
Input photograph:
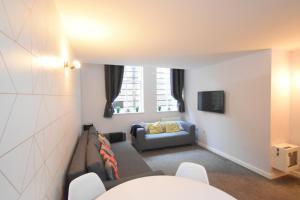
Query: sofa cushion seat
x,y
130,163
166,135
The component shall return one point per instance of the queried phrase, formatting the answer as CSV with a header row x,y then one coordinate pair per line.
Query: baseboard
x,y
295,173
239,162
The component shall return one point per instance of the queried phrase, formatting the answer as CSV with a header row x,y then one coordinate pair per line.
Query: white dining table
x,y
164,188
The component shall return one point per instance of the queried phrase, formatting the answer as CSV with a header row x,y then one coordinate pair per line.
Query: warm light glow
x,y
67,72
49,61
64,50
84,29
296,79
283,81
76,64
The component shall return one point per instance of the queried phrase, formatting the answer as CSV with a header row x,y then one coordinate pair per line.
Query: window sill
x,y
124,113
167,111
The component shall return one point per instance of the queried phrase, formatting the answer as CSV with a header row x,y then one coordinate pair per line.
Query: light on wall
x,y
75,64
48,62
282,82
296,79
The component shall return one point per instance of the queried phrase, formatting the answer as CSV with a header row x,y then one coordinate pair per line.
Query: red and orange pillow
x,y
103,140
111,165
112,170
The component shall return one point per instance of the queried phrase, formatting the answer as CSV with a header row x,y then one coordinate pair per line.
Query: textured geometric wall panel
x,y
39,103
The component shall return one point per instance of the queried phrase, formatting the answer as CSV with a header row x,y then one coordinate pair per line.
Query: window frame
x,y
141,95
170,100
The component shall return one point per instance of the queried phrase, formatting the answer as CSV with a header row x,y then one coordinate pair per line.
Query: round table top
x,y
162,188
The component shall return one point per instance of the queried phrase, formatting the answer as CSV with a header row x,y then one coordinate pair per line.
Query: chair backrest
x,y
192,171
86,187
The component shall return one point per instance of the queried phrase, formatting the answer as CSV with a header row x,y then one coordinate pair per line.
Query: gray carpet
x,y
225,175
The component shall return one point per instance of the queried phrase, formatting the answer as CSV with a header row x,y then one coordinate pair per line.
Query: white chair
x,y
86,187
192,171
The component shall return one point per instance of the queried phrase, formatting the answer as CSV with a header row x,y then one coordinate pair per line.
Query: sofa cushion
x,y
92,130
77,165
155,128
94,161
130,163
111,170
164,125
93,139
112,183
103,140
172,127
107,150
166,135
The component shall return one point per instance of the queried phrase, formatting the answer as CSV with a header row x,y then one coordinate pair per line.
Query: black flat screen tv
x,y
211,101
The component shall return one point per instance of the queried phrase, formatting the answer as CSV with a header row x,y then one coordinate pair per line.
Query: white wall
x,y
93,101
243,132
295,99
285,97
280,97
39,105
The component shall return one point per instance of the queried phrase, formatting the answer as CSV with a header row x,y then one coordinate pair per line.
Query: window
x,y
165,101
130,99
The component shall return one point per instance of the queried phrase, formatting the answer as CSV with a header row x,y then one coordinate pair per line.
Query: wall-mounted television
x,y
211,101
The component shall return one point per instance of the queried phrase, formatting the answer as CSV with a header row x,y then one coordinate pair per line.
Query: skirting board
x,y
239,162
296,173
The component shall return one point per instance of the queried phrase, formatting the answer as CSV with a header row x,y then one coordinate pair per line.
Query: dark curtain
x,y
113,83
177,85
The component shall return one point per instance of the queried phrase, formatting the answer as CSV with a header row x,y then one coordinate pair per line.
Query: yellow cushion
x,y
154,128
172,127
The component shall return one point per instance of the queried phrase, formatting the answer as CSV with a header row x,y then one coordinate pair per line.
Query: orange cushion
x,y
106,156
112,170
103,140
111,165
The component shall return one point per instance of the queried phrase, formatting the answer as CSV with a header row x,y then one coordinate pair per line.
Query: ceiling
x,y
177,32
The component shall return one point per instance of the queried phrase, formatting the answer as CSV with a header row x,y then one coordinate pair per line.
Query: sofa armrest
x,y
188,127
138,139
140,133
110,184
115,137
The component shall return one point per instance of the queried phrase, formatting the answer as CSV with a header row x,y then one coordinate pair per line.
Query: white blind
x,y
130,99
165,101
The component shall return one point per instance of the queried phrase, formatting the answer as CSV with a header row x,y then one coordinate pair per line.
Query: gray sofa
x,y
143,141
86,158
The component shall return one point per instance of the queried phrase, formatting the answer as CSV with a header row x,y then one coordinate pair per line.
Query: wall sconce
x,y
75,64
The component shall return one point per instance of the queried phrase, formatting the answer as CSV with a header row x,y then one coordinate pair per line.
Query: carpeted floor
x,y
238,181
